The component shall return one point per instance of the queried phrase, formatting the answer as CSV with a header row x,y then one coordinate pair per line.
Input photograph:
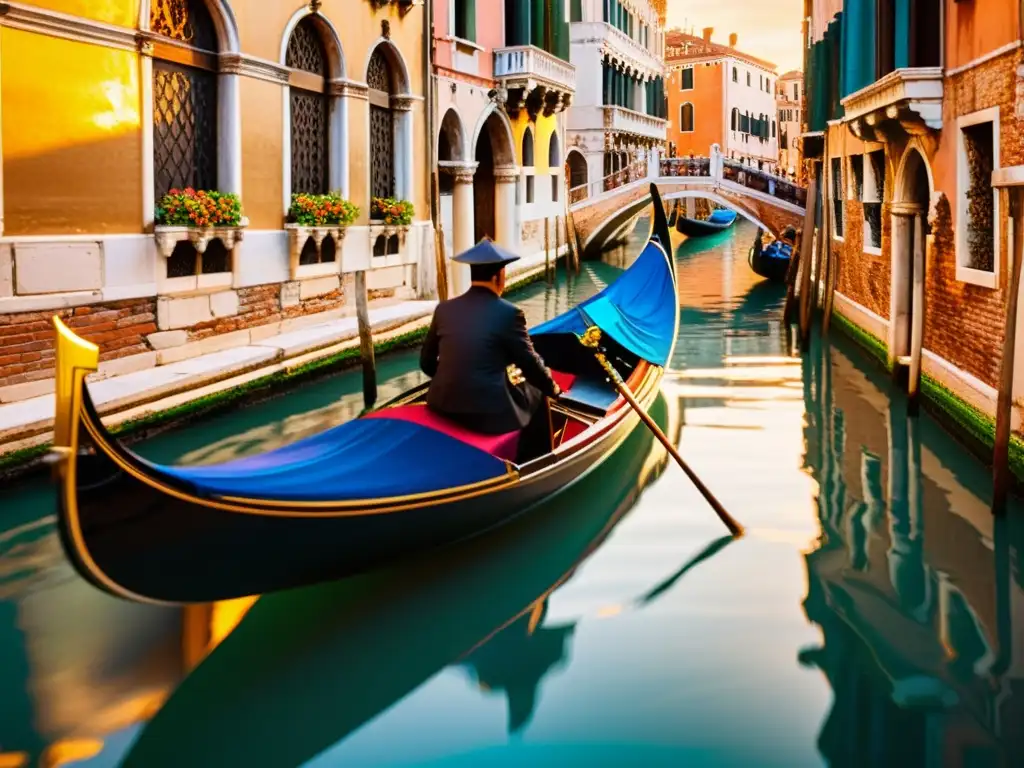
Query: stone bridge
x,y
603,210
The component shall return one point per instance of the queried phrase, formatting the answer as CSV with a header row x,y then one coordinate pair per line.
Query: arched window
x,y
185,125
686,118
735,75
735,119
184,97
773,129
309,109
528,149
381,84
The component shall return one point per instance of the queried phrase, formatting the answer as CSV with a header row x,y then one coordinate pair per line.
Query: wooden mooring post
x,y
809,246
1004,406
365,340
791,278
439,255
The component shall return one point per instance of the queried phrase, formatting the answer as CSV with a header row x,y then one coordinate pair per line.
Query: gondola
x,y
719,221
364,644
393,483
771,262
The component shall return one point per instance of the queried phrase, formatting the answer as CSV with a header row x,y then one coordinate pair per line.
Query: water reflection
x,y
873,616
916,605
324,661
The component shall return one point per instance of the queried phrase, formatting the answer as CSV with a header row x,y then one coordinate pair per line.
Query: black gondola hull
x,y
696,228
146,543
768,267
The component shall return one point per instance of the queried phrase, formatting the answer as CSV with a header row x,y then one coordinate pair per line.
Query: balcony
x,y
622,120
908,98
534,79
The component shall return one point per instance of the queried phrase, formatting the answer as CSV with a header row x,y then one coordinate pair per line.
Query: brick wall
x,y
120,328
964,323
27,339
864,278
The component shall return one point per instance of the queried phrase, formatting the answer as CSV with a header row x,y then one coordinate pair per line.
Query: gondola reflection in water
x,y
362,495
924,658
334,657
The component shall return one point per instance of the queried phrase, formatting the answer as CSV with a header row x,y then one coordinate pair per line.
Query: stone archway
x,y
576,168
494,183
911,199
455,191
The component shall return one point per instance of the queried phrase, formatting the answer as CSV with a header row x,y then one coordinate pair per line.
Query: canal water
x,y
873,615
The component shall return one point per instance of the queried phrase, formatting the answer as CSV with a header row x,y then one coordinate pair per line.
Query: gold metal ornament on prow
x,y
591,337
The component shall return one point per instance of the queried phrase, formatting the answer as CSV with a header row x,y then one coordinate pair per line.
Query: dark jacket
x,y
472,340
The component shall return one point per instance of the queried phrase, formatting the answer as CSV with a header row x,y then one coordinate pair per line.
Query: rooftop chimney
x,y
732,40
707,34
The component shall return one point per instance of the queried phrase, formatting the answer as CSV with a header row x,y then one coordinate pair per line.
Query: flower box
x,y
198,217
317,217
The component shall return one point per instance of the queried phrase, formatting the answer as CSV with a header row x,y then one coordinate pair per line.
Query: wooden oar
x,y
592,340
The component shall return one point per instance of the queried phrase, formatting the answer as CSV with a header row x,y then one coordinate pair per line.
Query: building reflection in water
x,y
911,584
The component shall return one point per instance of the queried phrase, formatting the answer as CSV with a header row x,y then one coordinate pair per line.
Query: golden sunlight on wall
x,y
262,154
542,130
121,13
69,105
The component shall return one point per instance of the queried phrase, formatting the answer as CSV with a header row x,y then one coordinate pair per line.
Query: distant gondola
x,y
394,483
772,261
719,221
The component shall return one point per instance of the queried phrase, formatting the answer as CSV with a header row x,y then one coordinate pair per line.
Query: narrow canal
x,y
874,615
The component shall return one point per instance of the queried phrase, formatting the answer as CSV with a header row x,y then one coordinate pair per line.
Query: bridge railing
x,y
686,166
763,182
627,175
716,169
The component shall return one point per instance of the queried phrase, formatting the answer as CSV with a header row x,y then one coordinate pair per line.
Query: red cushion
x,y
563,380
572,429
503,446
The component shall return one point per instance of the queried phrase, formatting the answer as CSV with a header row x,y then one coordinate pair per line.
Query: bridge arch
x,y
616,222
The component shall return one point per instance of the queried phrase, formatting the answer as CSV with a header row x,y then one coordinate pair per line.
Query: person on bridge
x,y
485,374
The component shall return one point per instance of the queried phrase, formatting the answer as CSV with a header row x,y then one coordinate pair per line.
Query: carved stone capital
x,y
349,89
402,103
508,174
250,66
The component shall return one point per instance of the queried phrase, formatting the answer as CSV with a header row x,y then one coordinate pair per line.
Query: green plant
x,y
321,210
205,208
393,211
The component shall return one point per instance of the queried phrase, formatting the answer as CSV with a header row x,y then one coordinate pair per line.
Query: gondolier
x,y
474,341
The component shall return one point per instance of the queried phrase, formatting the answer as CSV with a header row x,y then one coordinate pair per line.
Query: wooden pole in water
x,y
547,240
791,279
439,255
1001,451
916,316
365,341
808,246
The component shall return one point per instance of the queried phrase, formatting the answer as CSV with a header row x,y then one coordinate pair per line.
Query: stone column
x,y
899,294
229,139
505,180
463,225
401,107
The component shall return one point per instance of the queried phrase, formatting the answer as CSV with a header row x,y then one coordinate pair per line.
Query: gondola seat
x,y
502,446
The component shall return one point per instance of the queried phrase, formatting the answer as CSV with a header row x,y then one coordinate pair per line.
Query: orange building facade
x,y
718,94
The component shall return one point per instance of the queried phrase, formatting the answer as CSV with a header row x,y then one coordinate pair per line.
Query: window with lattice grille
x,y
382,126
310,115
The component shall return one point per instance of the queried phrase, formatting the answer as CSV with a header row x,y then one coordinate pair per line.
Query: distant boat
x,y
771,261
718,221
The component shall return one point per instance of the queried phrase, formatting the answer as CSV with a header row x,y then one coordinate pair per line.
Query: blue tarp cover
x,y
721,216
638,310
361,459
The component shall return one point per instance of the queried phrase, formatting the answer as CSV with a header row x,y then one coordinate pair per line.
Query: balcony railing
x,y
630,121
913,93
527,62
